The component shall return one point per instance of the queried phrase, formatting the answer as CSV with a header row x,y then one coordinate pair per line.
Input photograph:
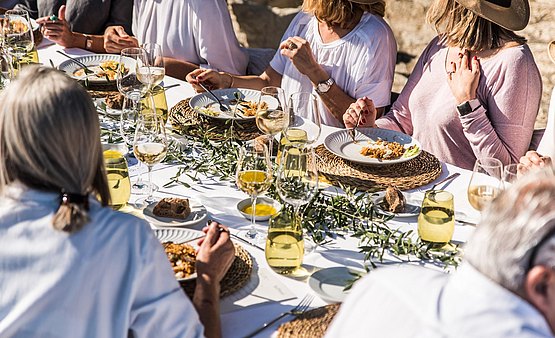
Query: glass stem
x,y
150,190
139,182
252,232
271,145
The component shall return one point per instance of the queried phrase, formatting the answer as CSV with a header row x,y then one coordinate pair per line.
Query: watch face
x,y
323,87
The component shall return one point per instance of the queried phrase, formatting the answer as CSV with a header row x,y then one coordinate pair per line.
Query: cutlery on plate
x,y
352,131
222,107
298,310
171,86
75,60
446,179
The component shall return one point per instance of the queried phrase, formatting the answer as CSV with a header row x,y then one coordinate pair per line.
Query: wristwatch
x,y
324,87
88,42
468,107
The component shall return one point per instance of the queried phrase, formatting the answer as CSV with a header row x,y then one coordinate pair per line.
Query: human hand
x,y
116,39
363,106
299,52
209,78
530,161
57,30
215,254
463,77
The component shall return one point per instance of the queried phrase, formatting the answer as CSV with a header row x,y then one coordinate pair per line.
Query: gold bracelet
x,y
232,79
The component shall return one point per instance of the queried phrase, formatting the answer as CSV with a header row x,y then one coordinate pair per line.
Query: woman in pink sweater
x,y
476,89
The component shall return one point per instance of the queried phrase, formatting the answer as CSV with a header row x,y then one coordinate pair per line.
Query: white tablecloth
x,y
220,199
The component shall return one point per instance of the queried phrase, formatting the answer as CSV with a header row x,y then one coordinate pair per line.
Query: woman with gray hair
x,y
69,265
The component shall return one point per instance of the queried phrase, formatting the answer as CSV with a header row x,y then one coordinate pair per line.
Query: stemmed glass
x,y
485,183
297,177
304,126
510,175
272,116
150,144
150,65
254,176
18,34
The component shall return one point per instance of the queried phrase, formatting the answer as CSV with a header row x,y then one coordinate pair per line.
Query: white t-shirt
x,y
197,31
547,144
362,63
106,280
417,302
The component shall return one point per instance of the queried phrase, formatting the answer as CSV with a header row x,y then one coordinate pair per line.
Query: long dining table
x,y
268,294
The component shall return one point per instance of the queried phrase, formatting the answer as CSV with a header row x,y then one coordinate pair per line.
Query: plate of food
x,y
394,202
242,103
98,68
175,212
373,146
180,252
110,104
330,283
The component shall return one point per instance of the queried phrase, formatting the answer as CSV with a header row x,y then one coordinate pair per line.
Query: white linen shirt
x,y
110,279
197,31
414,301
547,143
362,63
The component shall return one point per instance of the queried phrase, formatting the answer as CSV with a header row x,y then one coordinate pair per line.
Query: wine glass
x,y
127,79
436,221
297,177
150,144
254,176
304,125
272,116
485,183
18,35
510,175
150,66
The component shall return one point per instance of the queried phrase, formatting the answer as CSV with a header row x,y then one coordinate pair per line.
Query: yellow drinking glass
x,y
436,222
285,245
118,178
159,95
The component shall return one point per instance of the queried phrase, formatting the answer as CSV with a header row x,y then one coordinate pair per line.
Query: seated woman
x,y
340,49
192,34
546,149
476,89
69,265
81,24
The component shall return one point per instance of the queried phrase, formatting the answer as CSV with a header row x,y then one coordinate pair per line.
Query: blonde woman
x,y
69,265
476,89
339,49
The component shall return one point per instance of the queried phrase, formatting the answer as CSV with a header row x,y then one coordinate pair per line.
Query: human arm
x,y
216,79
116,39
177,68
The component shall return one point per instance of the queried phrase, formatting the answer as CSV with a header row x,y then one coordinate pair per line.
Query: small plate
x,y
179,236
198,214
227,97
260,200
341,144
412,208
329,283
100,104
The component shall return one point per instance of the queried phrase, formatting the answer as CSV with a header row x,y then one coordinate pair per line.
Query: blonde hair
x,y
463,28
50,140
341,12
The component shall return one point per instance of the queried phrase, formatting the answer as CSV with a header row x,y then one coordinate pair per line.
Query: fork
x,y
296,311
222,107
352,131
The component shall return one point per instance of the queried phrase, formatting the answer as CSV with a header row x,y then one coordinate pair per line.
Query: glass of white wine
x,y
272,116
436,221
304,125
485,183
150,144
150,65
18,35
254,176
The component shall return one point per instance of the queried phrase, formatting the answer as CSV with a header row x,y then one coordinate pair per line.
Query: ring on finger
x,y
292,46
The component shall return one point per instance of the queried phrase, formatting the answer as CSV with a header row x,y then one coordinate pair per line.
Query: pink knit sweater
x,y
510,92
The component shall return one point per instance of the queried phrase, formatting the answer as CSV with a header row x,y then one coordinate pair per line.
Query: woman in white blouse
x,y
69,265
341,49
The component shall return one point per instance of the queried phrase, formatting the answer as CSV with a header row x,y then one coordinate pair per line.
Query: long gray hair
x,y
50,140
522,217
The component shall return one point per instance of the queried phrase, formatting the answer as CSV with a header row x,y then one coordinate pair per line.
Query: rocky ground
x,y
260,23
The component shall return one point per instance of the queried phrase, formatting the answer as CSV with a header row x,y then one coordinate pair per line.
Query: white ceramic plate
x,y
412,208
260,200
70,67
100,104
179,236
198,214
228,99
329,283
341,144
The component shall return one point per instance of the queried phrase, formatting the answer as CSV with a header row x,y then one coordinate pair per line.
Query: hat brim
x,y
514,18
551,51
365,2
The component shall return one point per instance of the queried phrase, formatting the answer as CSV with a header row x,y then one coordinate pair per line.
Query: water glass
x,y
436,221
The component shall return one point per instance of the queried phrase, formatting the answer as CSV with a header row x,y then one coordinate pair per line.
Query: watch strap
x,y
324,86
468,107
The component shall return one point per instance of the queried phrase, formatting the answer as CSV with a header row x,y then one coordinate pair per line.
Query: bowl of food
x,y
265,208
182,258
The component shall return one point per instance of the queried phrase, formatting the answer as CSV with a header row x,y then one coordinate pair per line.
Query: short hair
x,y
341,12
460,27
50,141
512,227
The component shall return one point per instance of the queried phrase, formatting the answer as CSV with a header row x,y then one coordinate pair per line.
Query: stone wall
x,y
260,23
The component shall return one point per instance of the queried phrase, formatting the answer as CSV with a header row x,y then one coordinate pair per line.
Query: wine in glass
x,y
150,144
485,183
304,125
150,66
272,116
254,176
18,35
436,221
297,184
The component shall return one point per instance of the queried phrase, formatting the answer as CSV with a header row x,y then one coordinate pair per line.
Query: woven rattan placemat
x,y
236,277
186,121
406,175
311,324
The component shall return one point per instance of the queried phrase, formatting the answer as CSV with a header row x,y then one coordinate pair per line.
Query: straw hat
x,y
510,14
551,50
365,2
